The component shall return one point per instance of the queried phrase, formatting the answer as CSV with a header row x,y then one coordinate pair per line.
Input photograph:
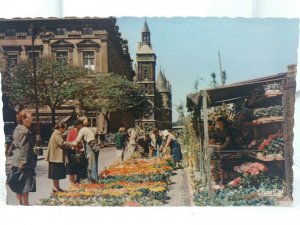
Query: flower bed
x,y
137,182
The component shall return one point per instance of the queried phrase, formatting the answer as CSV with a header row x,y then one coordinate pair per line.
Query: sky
x,y
187,48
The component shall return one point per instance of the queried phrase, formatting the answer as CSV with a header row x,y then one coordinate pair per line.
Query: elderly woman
x,y
74,166
56,156
172,142
91,150
22,177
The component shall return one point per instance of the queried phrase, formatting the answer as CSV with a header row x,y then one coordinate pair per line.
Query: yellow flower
x,y
136,193
158,189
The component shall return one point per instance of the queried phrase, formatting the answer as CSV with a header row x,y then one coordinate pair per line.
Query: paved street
x,y
180,191
44,185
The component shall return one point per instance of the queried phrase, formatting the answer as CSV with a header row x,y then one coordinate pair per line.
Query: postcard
x,y
128,111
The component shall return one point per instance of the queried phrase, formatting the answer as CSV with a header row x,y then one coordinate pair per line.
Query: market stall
x,y
258,134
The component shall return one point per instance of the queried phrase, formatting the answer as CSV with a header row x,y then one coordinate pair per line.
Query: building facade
x,y
158,91
92,43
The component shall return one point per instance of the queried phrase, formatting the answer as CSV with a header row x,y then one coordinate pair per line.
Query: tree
x,y
112,92
19,87
58,82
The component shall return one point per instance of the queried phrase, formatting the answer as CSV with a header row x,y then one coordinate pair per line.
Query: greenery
x,y
113,92
267,112
57,83
246,193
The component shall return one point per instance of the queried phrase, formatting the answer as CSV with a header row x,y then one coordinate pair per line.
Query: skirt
x,y
22,181
56,171
176,151
74,163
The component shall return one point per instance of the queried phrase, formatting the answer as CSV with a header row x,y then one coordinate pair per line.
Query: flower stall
x,y
256,167
136,182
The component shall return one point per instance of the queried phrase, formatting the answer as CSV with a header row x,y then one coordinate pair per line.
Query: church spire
x,y
146,34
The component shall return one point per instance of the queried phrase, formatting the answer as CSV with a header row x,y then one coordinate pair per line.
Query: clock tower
x,y
146,61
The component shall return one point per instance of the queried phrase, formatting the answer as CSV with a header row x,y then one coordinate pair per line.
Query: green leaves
x,y
245,194
267,112
57,83
113,92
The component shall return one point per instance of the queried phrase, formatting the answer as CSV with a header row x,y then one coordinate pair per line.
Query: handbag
x,y
20,179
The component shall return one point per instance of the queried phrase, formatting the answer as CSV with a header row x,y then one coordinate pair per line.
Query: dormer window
x,y
87,31
61,31
10,33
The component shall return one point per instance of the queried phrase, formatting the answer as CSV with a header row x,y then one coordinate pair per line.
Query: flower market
x,y
254,169
253,163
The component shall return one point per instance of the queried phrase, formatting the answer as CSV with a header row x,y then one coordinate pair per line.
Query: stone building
x,y
93,43
158,91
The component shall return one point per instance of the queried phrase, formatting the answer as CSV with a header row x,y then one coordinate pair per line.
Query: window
x,y
87,31
150,90
10,32
30,55
62,55
92,121
89,60
12,62
145,74
61,31
146,89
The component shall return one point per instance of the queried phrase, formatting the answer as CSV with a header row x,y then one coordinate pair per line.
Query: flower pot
x,y
278,156
259,155
270,157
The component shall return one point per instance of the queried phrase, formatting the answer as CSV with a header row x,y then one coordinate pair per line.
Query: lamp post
x,y
34,34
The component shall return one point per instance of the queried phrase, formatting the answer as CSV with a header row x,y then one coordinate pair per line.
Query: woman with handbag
x,y
74,167
22,176
56,156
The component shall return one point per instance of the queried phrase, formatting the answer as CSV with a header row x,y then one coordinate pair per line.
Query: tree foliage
x,y
57,82
19,87
112,93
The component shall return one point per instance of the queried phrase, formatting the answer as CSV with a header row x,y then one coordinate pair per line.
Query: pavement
x,y
44,185
180,190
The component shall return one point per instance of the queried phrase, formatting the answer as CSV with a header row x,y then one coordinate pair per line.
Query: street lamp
x,y
34,34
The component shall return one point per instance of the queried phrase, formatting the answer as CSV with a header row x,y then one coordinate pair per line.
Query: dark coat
x,y
24,155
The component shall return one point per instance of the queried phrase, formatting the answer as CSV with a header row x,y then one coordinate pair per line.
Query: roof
x,y
146,28
54,22
55,18
145,49
161,83
232,92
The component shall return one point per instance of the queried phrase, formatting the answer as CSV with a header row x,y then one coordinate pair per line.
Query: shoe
x,y
59,190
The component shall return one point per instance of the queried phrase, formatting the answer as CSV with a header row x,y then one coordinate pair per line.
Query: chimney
x,y
292,70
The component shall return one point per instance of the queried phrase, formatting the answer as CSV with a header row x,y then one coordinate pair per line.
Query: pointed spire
x,y
146,28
